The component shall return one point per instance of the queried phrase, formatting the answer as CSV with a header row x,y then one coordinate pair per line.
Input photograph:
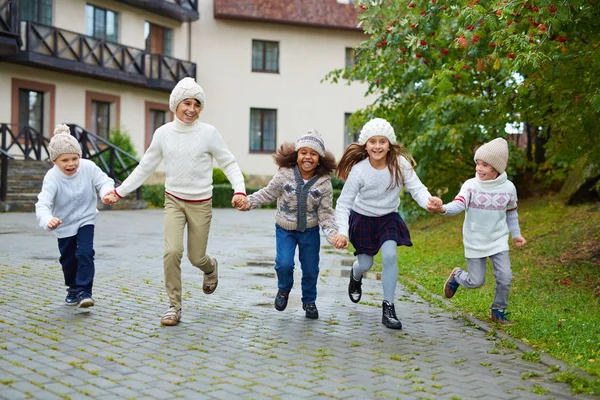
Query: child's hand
x,y
435,204
54,223
241,203
110,198
340,241
520,241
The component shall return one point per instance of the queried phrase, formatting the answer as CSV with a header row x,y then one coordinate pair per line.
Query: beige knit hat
x,y
187,88
377,127
312,140
63,142
494,153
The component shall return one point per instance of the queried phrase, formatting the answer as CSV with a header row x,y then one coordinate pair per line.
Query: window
x,y
100,23
157,114
265,56
36,11
33,106
102,113
263,130
350,60
349,136
158,39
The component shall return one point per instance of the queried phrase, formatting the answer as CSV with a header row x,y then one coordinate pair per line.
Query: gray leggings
x,y
389,274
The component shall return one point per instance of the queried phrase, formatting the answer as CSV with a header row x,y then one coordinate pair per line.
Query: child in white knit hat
x,y
490,204
187,148
376,170
302,188
67,206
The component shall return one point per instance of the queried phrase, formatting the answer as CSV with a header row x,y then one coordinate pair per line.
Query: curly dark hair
x,y
356,152
287,157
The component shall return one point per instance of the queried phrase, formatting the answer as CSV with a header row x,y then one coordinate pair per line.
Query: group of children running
x,y
376,170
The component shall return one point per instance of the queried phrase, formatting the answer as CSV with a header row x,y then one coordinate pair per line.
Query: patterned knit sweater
x,y
299,205
187,151
490,214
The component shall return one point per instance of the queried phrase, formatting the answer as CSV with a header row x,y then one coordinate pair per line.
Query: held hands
x,y
340,241
240,202
435,205
520,241
54,223
110,198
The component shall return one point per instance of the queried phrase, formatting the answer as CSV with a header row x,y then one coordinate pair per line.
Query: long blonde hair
x,y
355,153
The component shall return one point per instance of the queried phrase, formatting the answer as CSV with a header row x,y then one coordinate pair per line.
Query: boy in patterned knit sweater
x,y
490,204
187,147
304,195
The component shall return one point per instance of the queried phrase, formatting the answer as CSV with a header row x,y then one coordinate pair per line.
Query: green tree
x,y
450,74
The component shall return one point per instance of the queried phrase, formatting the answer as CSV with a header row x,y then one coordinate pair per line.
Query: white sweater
x,y
365,192
187,151
72,199
490,214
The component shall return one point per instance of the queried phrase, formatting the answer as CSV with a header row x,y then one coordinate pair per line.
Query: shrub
x,y
123,141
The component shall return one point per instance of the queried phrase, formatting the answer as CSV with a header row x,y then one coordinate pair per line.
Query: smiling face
x,y
378,147
188,111
485,171
308,159
68,163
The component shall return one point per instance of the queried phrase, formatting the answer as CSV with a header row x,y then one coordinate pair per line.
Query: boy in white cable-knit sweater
x,y
67,206
490,204
187,148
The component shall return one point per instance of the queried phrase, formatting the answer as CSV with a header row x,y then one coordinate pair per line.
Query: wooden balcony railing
x,y
10,41
71,52
181,10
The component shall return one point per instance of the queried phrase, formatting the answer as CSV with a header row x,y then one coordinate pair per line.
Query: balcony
x,y
9,28
180,10
65,51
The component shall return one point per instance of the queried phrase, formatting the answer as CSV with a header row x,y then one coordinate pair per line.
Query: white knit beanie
x,y
187,88
494,153
63,143
377,127
312,140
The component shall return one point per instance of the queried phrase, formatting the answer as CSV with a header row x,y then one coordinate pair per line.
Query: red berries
x,y
510,55
562,39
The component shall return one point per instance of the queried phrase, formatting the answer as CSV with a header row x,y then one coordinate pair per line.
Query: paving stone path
x,y
232,344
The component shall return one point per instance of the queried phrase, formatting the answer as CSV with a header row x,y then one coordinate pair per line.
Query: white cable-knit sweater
x,y
187,152
365,191
72,199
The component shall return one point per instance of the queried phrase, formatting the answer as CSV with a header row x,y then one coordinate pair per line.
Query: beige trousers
x,y
197,216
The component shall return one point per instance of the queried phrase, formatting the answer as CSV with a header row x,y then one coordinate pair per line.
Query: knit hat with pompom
x,y
312,140
187,88
377,127
63,142
494,153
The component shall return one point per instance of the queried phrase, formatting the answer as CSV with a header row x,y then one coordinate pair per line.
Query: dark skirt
x,y
367,234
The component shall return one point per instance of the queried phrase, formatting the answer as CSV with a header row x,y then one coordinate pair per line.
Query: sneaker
x,y
85,300
499,316
389,318
209,285
451,286
71,298
311,310
281,300
171,317
354,288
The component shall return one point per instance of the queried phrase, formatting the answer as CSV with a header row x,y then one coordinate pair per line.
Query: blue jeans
x,y
77,259
309,245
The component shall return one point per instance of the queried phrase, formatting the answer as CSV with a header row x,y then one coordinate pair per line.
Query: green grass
x,y
555,294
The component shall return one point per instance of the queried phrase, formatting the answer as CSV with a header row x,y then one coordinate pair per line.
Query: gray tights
x,y
389,274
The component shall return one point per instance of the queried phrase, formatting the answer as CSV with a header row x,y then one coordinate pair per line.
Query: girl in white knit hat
x,y
187,148
67,206
490,204
376,170
304,195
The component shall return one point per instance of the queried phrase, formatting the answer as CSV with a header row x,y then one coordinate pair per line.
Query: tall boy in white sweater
x,y
490,204
187,147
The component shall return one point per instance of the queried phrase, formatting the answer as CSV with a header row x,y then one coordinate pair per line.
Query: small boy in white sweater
x,y
67,206
490,204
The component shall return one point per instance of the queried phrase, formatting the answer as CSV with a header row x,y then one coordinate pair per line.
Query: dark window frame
x,y
43,12
105,35
263,116
347,139
263,67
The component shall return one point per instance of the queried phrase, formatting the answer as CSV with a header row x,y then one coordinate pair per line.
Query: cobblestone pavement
x,y
233,343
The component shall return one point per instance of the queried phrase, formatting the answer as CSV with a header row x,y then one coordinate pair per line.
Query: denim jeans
x,y
475,277
77,259
309,245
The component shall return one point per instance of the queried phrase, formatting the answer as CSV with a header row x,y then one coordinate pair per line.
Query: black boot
x,y
354,288
281,300
389,318
311,310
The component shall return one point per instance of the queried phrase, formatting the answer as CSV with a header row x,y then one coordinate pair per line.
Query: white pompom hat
x,y
377,127
187,88
63,143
